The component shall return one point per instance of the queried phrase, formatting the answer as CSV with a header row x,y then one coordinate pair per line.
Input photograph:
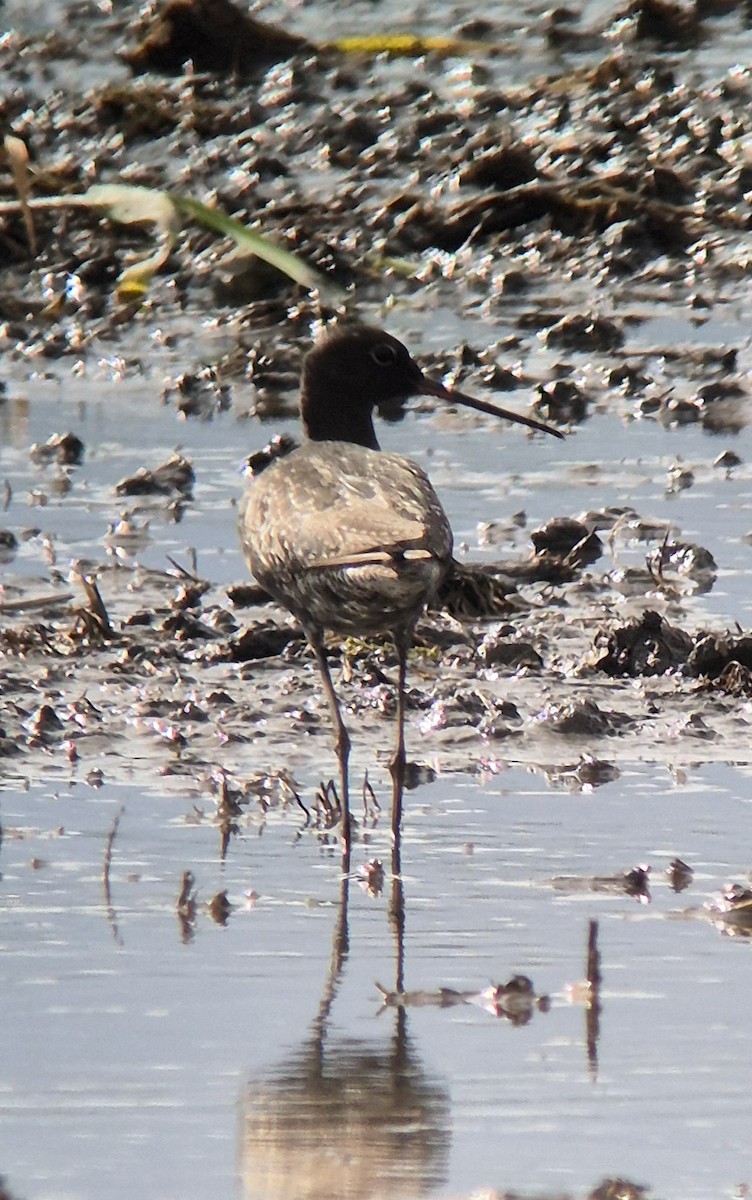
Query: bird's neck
x,y
323,423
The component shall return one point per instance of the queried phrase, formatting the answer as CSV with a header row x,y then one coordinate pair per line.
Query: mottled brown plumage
x,y
345,537
365,542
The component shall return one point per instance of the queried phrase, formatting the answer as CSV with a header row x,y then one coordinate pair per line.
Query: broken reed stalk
x,y
95,605
18,161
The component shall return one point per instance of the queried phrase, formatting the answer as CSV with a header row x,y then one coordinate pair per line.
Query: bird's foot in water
x,y
327,805
331,811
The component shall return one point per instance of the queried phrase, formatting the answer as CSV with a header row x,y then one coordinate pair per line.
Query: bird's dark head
x,y
354,370
357,368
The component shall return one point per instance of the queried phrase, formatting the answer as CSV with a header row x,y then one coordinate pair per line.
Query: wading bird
x,y
348,538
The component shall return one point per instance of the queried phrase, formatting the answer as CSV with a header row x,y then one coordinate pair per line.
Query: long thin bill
x,y
430,387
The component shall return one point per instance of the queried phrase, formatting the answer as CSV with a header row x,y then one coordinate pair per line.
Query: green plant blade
x,y
255,243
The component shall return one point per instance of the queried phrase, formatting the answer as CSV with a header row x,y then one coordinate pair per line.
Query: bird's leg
x,y
399,761
342,738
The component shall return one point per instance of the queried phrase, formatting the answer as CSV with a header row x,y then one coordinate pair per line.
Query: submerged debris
x,y
174,475
219,908
732,910
569,540
632,882
618,1188
127,536
66,449
199,393
581,719
584,776
583,331
472,591
495,650
260,640
647,646
562,401
724,659
279,446
679,875
577,208
8,545
515,1000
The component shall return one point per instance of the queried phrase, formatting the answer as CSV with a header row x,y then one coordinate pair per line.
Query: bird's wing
x,y
334,503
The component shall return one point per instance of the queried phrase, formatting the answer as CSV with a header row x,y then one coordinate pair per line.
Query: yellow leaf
x,y
403,44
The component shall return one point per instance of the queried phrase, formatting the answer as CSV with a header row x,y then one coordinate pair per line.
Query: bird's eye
x,y
384,354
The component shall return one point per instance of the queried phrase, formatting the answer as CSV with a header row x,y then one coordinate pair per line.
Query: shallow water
x,y
156,1056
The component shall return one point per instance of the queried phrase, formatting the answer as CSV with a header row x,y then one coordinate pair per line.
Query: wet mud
x,y
141,671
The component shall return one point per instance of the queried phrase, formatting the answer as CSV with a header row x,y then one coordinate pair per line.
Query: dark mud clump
x,y
648,646
215,35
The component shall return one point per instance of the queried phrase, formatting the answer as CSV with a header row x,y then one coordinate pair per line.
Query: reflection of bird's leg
x,y
397,914
397,765
340,950
342,740
397,906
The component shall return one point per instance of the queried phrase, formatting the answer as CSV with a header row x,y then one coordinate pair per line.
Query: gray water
x,y
137,1054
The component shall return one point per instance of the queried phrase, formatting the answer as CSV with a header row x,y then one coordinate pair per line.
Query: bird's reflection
x,y
344,1118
